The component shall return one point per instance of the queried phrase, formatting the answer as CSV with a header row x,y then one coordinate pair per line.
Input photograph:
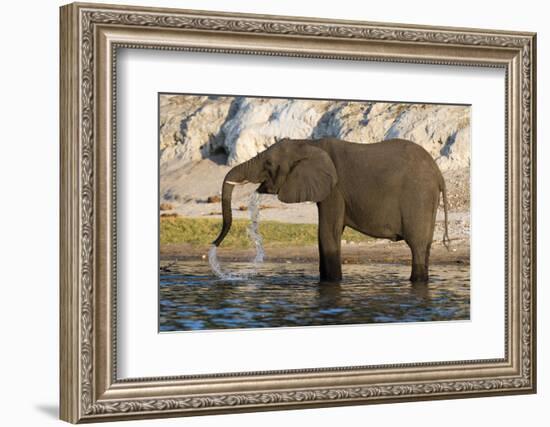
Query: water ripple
x,y
282,295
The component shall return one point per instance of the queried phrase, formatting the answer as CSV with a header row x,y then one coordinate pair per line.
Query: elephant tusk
x,y
237,183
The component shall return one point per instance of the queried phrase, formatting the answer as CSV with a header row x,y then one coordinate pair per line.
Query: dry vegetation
x,y
166,206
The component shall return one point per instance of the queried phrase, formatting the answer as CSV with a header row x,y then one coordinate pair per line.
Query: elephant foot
x,y
332,279
419,280
330,271
419,274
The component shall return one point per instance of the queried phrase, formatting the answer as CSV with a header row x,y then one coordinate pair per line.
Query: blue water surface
x,y
284,294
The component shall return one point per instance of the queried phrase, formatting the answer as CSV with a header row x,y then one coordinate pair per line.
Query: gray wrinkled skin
x,y
386,190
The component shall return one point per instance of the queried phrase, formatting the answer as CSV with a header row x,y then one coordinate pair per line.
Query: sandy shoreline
x,y
379,251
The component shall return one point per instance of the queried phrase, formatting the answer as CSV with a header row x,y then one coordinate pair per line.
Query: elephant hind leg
x,y
420,260
419,229
427,263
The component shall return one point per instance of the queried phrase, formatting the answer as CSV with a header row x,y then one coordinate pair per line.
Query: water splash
x,y
254,234
253,230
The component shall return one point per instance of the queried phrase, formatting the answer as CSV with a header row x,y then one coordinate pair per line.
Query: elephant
x,y
387,189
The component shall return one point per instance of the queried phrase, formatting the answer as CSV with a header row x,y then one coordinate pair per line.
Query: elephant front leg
x,y
331,226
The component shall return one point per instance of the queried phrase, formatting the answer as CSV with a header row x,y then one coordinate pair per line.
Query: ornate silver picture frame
x,y
91,36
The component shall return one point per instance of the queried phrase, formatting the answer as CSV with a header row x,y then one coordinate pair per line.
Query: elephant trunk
x,y
241,174
227,191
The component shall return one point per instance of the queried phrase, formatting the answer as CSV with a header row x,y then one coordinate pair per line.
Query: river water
x,y
288,294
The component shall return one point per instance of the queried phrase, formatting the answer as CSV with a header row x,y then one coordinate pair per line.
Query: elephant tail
x,y
446,240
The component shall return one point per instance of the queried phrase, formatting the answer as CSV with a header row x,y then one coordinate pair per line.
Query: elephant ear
x,y
311,176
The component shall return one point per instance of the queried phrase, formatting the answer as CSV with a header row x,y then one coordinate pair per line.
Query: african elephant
x,y
385,190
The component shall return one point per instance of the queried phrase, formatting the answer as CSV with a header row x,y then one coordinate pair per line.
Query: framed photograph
x,y
266,212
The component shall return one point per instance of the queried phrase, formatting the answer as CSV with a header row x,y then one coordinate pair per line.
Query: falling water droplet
x,y
254,234
253,230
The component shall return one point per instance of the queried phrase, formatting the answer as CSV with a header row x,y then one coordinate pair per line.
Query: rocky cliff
x,y
201,137
235,129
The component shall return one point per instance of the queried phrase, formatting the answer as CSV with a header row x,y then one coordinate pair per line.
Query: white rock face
x,y
197,127
190,126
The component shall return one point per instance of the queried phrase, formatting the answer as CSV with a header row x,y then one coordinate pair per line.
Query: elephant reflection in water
x,y
385,190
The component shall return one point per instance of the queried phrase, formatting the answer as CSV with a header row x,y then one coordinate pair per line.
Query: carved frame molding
x,y
90,36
